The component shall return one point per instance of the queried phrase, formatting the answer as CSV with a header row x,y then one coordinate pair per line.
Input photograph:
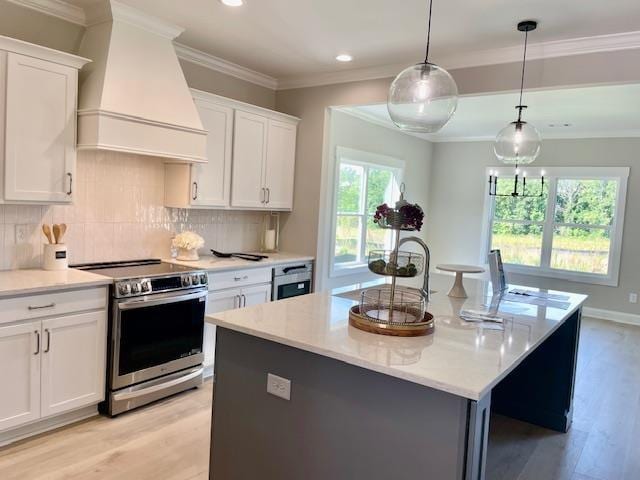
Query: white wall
x,y
348,131
457,196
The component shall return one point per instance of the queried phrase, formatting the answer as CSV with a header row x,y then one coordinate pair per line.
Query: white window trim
x,y
620,174
357,157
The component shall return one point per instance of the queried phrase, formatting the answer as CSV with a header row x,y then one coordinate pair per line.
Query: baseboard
x,y
41,426
611,315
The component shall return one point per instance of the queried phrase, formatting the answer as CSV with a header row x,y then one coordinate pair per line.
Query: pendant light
x,y
423,97
519,142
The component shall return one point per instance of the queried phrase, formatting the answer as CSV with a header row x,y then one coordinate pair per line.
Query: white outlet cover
x,y
278,386
633,298
22,233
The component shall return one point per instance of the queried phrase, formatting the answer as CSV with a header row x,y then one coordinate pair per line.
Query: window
x,y
363,181
573,231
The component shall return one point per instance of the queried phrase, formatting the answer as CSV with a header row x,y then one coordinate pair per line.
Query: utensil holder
x,y
55,257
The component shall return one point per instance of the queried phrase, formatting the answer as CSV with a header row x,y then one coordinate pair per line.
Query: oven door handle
x,y
155,388
160,299
292,268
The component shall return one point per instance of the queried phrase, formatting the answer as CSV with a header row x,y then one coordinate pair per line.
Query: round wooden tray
x,y
362,322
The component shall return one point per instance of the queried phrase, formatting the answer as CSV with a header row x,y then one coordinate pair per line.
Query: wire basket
x,y
392,263
399,307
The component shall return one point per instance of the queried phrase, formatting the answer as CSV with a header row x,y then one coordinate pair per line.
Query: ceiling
x,y
608,111
288,38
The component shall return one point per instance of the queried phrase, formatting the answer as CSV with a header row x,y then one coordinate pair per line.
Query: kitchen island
x,y
374,407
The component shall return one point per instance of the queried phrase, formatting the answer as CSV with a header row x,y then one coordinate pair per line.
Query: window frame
x,y
552,175
367,160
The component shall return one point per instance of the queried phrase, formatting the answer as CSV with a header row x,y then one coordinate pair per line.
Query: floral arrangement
x,y
188,241
407,216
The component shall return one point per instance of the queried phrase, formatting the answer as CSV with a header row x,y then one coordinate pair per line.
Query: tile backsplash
x,y
118,214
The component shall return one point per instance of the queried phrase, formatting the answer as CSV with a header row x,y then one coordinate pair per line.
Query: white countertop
x,y
20,282
461,358
211,263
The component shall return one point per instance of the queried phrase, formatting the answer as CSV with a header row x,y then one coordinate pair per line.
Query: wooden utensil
x,y
63,230
47,232
56,232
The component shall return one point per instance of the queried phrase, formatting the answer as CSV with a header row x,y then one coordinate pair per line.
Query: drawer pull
x,y
48,332
237,279
41,307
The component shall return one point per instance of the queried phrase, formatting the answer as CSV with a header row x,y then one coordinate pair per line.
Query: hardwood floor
x,y
170,439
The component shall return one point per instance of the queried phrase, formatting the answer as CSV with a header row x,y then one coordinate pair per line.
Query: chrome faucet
x,y
427,255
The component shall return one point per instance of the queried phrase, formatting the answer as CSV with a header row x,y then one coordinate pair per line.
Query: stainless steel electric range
x,y
156,326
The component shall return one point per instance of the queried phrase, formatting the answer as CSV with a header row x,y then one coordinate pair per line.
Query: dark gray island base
x,y
347,422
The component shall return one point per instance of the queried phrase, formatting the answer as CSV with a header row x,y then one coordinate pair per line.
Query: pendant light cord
x,y
426,56
524,63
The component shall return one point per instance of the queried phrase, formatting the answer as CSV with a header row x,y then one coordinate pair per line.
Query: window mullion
x,y
549,224
363,210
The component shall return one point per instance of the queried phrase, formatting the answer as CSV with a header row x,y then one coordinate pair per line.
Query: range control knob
x,y
146,286
186,281
136,288
195,279
203,278
124,289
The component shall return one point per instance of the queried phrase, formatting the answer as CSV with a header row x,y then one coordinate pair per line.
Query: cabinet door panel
x,y
40,130
249,149
19,374
213,179
217,302
279,166
256,295
73,361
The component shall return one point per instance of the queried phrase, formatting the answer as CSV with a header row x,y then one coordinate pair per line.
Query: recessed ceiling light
x,y
344,57
233,3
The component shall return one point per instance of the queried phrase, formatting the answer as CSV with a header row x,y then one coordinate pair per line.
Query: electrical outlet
x,y
22,233
633,298
278,386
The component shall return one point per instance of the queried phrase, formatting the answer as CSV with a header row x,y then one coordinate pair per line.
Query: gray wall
x,y
457,198
300,228
349,131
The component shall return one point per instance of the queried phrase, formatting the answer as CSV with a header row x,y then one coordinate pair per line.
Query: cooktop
x,y
134,268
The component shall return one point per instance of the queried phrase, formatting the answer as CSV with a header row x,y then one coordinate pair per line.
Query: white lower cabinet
x,y
55,364
230,299
73,362
19,374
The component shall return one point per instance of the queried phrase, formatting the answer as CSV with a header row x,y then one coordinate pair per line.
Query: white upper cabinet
x,y
38,93
251,156
249,153
206,185
280,162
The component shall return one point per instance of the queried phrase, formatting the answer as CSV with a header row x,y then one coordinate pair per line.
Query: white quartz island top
x,y
212,263
460,358
21,282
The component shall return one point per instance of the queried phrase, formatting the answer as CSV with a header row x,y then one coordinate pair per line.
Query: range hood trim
x,y
122,122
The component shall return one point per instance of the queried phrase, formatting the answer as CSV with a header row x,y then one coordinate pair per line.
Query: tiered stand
x,y
389,309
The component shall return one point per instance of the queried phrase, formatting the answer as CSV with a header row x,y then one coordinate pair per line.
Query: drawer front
x,y
55,303
253,276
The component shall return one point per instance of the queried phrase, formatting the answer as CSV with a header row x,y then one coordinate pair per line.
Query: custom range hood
x,y
133,96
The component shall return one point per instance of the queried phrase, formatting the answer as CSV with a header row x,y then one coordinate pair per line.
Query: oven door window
x,y
154,335
294,289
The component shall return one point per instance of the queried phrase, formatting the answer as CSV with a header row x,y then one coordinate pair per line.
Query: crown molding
x,y
360,115
55,8
536,51
124,13
223,66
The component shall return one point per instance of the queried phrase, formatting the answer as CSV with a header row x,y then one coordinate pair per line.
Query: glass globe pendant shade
x,y
517,144
422,98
